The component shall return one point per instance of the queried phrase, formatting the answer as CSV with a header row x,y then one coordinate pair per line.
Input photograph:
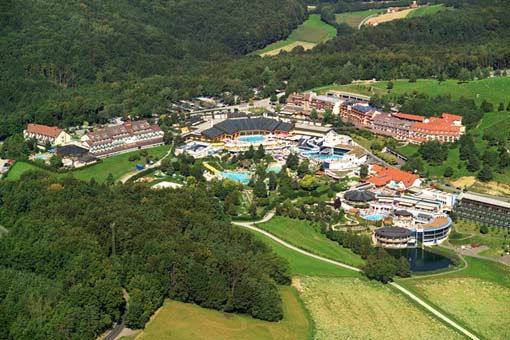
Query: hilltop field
x,y
312,32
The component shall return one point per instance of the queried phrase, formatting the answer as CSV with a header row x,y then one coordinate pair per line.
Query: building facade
x,y
129,136
46,134
483,209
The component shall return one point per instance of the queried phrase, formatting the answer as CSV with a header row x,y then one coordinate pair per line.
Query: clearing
x,y
307,236
426,10
310,33
351,308
389,17
178,320
353,19
469,233
477,296
116,165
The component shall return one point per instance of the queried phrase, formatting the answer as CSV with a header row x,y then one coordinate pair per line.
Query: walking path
x,y
435,312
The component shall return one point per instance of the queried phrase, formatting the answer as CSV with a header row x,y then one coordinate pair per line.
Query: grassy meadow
x,y
426,10
352,308
307,236
477,296
116,165
469,233
183,321
353,19
310,33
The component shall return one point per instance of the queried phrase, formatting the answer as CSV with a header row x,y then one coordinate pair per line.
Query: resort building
x,y
484,209
393,178
246,126
129,136
392,237
46,134
301,104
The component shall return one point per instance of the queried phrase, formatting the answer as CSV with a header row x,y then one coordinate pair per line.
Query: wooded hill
x,y
72,246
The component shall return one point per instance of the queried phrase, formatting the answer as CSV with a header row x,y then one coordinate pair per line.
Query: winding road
x,y
435,312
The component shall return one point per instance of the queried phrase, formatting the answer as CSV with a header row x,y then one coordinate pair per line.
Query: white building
x,y
46,134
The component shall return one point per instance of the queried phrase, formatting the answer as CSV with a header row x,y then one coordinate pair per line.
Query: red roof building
x,y
46,134
396,178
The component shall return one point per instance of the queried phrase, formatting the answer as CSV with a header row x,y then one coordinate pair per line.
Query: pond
x,y
422,260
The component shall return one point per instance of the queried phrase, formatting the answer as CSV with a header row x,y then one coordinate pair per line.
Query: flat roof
x,y
315,128
494,200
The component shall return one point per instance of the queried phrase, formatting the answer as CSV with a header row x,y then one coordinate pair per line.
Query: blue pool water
x,y
276,169
252,139
43,157
375,217
324,157
241,177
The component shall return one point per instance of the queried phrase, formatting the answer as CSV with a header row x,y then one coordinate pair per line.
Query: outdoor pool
x,y
241,177
324,157
374,217
43,157
252,139
274,168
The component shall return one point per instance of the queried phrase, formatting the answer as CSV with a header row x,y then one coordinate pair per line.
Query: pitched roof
x,y
408,116
451,118
49,131
232,126
385,175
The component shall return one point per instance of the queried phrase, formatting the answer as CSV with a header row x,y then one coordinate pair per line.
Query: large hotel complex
x,y
401,126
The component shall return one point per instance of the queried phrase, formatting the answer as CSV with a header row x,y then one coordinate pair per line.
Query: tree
x,y
314,115
486,106
308,182
448,172
389,86
259,190
292,161
508,107
464,75
56,162
473,163
434,152
303,168
260,153
403,268
412,78
485,174
110,179
484,229
380,269
363,171
501,107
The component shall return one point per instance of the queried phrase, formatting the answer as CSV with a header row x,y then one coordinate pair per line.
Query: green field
x,y
117,165
304,265
469,233
311,32
477,296
494,90
426,10
182,321
308,237
353,19
351,308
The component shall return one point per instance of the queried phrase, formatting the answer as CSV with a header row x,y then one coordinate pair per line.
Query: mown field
x,y
308,237
477,296
183,321
350,308
353,19
425,10
469,233
117,165
312,32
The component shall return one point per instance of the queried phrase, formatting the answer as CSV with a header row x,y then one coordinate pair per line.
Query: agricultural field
x,y
352,308
304,265
308,237
312,32
117,165
477,296
388,17
182,321
426,10
354,19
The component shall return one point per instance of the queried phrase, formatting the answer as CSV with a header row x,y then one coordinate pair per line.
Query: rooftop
x,y
493,200
50,131
232,126
384,175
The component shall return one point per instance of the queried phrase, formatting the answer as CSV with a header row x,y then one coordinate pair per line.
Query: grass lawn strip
x,y
178,320
307,237
350,308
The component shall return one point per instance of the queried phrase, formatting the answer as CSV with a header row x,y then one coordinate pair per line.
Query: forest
x,y
94,60
74,248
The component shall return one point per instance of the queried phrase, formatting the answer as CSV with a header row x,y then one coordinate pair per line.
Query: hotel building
x,y
484,209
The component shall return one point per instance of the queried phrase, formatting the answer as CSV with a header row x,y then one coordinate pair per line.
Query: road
x,y
115,332
127,176
435,312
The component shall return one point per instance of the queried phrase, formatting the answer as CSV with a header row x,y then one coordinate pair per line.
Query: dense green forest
x,y
68,63
73,246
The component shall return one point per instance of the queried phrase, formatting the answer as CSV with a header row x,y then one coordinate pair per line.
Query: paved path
x,y
435,312
127,176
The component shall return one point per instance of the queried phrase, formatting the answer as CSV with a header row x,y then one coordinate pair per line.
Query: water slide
x,y
211,168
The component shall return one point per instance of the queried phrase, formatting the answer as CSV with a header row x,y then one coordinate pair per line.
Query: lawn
x,y
178,320
304,265
426,10
308,237
494,239
353,19
117,165
477,296
352,308
311,32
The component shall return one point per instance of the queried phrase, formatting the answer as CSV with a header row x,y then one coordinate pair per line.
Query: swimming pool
x,y
323,156
43,157
274,168
241,177
252,139
374,217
